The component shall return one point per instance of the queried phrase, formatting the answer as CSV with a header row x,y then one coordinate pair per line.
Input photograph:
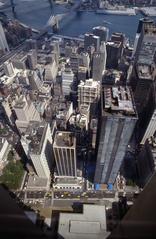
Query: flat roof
x,y
64,139
91,224
117,100
36,182
84,227
35,133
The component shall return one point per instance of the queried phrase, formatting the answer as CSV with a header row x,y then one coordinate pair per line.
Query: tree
x,y
12,174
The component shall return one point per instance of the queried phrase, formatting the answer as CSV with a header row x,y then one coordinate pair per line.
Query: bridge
x,y
54,20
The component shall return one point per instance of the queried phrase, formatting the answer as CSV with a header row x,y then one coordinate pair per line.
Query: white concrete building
x,y
88,92
51,71
67,80
64,148
25,112
8,68
4,150
91,224
37,144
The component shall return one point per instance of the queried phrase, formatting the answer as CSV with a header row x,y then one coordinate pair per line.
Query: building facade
x,y
37,144
88,92
117,124
64,148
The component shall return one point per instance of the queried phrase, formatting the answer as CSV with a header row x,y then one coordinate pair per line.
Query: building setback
x,y
117,124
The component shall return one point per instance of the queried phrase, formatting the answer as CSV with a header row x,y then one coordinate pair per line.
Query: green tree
x,y
12,174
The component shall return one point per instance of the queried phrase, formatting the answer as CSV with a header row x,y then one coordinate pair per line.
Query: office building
x,y
101,32
143,23
19,61
118,37
34,80
146,161
67,81
82,73
78,123
68,51
64,148
118,119
91,40
85,60
151,128
98,65
25,112
112,77
31,44
91,223
143,76
4,150
51,71
32,59
8,68
55,47
37,144
74,62
113,54
3,42
88,92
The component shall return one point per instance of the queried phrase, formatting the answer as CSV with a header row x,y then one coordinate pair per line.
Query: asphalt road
x,y
70,203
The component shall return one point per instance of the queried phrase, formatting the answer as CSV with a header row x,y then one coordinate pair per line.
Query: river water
x,y
36,13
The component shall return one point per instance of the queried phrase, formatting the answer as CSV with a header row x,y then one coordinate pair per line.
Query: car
x,y
62,196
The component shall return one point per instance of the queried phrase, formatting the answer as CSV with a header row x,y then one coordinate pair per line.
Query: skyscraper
x,y
98,65
64,148
113,54
91,40
67,80
25,112
143,81
151,128
8,68
101,32
118,120
37,144
3,41
32,59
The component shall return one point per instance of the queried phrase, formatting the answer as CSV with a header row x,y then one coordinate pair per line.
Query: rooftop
x,y
89,83
117,100
90,224
34,182
35,133
148,49
113,44
64,139
145,71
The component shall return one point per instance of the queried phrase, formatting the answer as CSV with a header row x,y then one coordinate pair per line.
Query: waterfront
x,y
36,13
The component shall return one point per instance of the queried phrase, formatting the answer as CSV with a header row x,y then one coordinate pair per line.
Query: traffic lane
x,y
98,194
35,194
